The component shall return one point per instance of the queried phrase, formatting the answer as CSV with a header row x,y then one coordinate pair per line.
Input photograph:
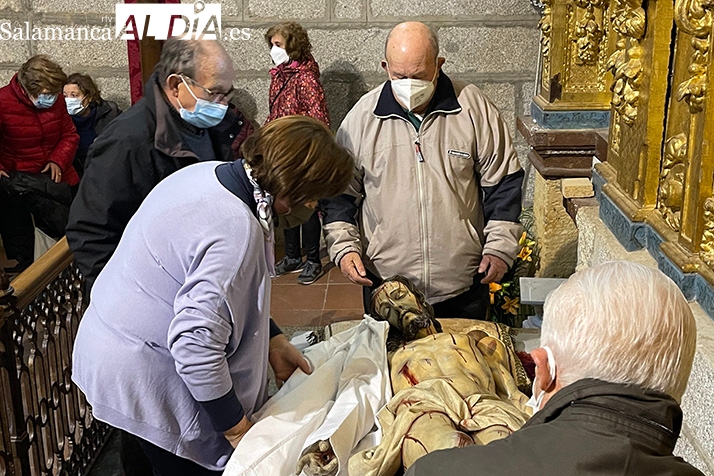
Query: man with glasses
x,y
184,117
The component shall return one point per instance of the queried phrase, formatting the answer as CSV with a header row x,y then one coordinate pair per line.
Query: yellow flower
x,y
511,305
493,288
524,241
525,254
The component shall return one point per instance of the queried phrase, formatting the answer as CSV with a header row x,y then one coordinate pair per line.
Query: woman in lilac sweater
x,y
175,345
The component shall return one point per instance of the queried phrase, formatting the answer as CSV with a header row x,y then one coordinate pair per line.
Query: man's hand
x,y
351,266
284,358
4,174
54,170
493,267
235,434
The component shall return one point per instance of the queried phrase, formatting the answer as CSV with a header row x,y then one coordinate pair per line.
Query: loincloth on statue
x,y
457,388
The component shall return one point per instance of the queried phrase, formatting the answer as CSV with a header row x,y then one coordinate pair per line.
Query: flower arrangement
x,y
505,296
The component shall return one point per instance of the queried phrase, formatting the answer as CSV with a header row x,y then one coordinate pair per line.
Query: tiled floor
x,y
331,298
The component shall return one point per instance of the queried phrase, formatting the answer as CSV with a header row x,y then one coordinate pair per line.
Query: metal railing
x,y
46,423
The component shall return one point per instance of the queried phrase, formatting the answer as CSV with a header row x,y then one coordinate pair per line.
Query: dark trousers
x,y
17,230
166,463
310,240
471,304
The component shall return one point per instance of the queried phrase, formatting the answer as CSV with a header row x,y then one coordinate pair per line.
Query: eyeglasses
x,y
213,96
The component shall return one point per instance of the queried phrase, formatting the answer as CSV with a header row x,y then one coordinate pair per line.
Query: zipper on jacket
x,y
422,213
637,418
418,151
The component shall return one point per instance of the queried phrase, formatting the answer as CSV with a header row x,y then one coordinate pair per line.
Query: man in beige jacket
x,y
436,191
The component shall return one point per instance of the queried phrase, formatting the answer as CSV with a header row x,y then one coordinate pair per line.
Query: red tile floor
x,y
331,298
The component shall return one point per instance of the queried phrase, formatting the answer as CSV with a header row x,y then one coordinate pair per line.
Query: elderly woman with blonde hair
x,y
175,345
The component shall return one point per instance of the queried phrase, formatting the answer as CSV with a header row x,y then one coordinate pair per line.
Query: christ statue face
x,y
394,302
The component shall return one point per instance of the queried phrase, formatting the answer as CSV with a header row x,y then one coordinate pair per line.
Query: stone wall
x,y
492,43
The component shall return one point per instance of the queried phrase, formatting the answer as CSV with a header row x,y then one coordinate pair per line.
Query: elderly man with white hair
x,y
618,342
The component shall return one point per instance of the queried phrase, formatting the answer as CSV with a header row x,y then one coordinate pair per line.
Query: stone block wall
x,y
492,43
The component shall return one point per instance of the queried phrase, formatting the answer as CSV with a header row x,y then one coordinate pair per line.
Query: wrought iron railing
x,y
46,423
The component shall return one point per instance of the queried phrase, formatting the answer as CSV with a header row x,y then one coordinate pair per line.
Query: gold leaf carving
x,y
629,21
707,248
671,182
588,32
545,26
694,17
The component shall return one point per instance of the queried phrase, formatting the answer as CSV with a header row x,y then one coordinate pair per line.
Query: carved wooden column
x,y
686,199
572,101
639,91
573,90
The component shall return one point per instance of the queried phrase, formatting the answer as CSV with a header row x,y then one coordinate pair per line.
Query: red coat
x,y
295,89
32,137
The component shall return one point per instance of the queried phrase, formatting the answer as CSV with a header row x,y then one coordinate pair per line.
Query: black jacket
x,y
133,154
105,112
588,428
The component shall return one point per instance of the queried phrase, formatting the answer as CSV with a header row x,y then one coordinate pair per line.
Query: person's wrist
x,y
239,429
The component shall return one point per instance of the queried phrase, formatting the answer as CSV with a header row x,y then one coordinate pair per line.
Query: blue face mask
x,y
74,106
44,100
205,114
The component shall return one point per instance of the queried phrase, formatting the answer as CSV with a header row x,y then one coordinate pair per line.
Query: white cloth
x,y
338,401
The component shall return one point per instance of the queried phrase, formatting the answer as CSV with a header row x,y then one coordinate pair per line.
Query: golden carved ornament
x,y
588,32
545,25
707,247
629,21
671,183
694,17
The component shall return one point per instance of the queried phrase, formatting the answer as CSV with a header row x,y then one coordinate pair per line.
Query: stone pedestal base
x,y
557,235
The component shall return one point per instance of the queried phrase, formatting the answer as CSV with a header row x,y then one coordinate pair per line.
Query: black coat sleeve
x,y
111,190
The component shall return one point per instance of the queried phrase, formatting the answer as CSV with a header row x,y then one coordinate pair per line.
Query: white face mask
x,y
535,402
74,106
279,55
413,93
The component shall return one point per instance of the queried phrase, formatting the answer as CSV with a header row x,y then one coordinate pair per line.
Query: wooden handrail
x,y
41,273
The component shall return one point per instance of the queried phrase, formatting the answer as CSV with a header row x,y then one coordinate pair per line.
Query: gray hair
x,y
621,322
179,56
432,37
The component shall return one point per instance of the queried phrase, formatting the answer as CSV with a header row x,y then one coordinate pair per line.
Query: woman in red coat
x,y
295,89
36,137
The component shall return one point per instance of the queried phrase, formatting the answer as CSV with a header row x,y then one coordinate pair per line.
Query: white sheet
x,y
338,401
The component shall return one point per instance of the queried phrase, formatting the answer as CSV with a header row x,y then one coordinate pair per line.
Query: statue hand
x,y
318,460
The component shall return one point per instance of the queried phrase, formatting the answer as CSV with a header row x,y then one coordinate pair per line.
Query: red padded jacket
x,y
295,89
32,137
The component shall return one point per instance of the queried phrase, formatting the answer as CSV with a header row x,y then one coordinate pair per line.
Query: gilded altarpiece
x,y
685,199
640,66
574,55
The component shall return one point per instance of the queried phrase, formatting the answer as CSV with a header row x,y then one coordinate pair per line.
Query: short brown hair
x,y
86,84
297,158
40,74
297,44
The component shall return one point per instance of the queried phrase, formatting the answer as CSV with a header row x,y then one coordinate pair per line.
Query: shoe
x,y
288,265
310,272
